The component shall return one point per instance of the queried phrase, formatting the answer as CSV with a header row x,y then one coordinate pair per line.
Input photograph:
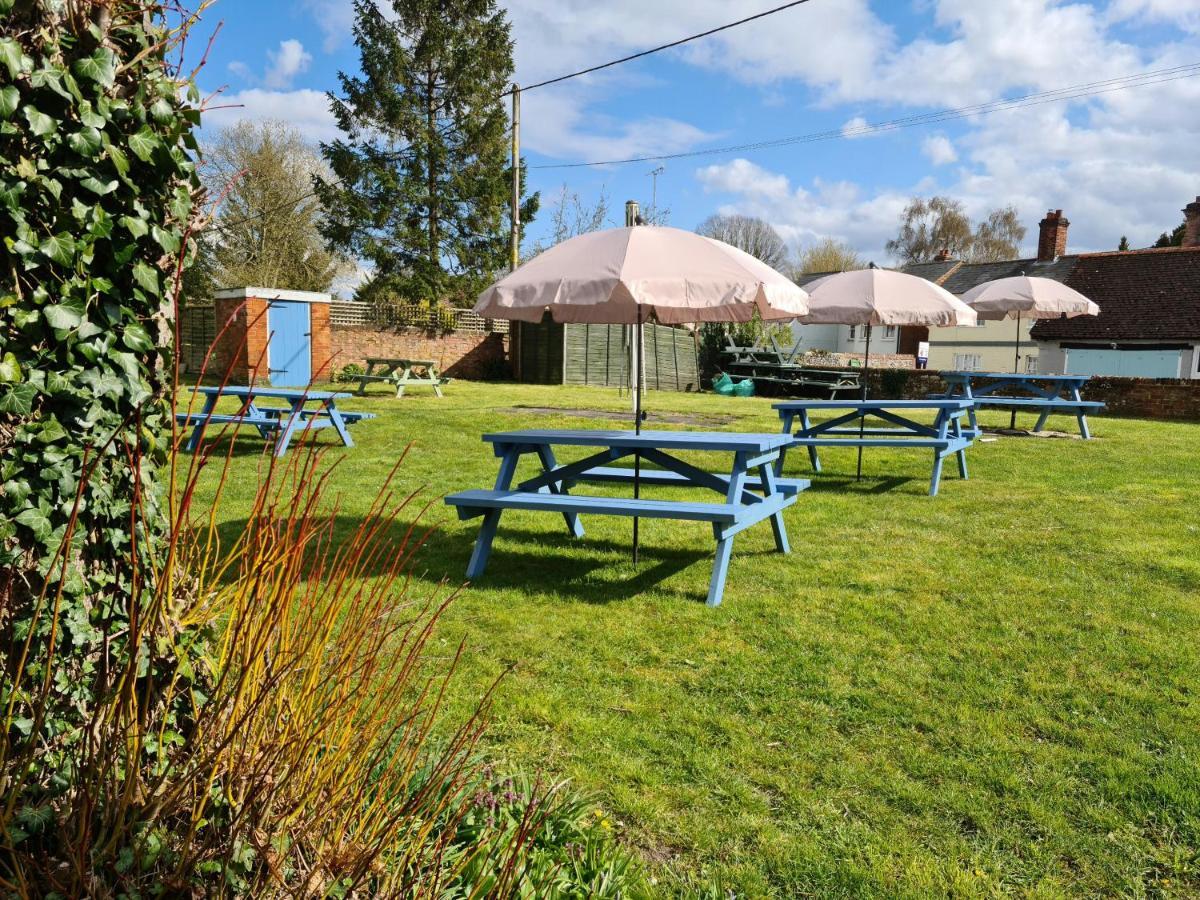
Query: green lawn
x,y
993,691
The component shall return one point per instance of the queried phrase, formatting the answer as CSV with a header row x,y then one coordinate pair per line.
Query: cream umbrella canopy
x,y
874,296
641,273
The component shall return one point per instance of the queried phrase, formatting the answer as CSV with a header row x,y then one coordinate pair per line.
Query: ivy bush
x,y
97,183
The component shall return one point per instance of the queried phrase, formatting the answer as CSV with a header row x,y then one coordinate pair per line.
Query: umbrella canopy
x,y
643,273
883,297
1029,298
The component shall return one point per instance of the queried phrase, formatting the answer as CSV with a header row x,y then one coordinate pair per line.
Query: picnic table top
x,y
265,390
955,403
658,440
400,361
1016,376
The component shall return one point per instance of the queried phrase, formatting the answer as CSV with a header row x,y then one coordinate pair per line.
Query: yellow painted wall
x,y
991,341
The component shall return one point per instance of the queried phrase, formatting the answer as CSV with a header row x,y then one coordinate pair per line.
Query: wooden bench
x,y
402,373
475,503
1046,394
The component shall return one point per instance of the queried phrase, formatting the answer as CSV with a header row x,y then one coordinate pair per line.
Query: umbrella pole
x,y
639,373
1012,422
862,422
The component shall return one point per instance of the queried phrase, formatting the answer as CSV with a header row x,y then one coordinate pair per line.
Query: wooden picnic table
x,y
1043,394
896,425
402,372
767,361
305,411
750,492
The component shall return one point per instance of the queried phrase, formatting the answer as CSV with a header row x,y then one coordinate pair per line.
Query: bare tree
x,y
932,227
571,217
756,236
266,232
997,239
828,255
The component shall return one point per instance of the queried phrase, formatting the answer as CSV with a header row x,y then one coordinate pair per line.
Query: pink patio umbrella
x,y
641,273
1030,297
876,296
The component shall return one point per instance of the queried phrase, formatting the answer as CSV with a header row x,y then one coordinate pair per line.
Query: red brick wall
x,y
321,346
241,351
458,354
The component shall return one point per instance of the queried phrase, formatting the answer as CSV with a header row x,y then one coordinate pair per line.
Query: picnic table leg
x,y
402,380
770,490
339,424
286,431
787,418
1041,422
437,381
935,480
733,496
549,464
812,450
491,519
198,432
1079,415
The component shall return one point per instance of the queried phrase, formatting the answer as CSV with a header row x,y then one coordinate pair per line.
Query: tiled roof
x,y
970,275
933,271
1143,295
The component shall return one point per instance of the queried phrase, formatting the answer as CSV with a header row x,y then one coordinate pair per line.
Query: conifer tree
x,y
421,183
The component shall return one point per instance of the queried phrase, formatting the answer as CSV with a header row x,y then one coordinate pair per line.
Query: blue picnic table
x,y
750,492
1043,394
894,423
305,411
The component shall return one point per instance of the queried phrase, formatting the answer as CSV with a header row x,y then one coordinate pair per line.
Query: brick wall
x,y
321,349
458,354
1149,398
242,349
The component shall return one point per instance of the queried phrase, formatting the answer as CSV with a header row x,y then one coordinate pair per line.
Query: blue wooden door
x,y
289,346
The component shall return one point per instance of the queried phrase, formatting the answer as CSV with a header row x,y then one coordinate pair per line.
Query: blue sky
x,y
1120,163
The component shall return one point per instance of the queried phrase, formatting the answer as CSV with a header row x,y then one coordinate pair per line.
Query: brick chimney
x,y
1052,239
943,255
1191,230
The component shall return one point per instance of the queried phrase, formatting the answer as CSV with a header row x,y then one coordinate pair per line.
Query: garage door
x,y
1127,363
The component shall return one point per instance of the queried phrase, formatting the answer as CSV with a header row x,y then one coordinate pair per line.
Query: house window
x,y
854,332
967,362
889,331
1031,365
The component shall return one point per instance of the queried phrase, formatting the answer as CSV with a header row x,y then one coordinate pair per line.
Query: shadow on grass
x,y
870,484
247,442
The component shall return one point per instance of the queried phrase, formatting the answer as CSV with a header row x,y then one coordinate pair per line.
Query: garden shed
x,y
600,355
272,336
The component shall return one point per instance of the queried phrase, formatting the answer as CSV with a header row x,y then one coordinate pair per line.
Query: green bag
x,y
723,385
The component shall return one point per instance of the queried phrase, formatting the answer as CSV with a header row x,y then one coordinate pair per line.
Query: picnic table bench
x,y
1043,394
945,437
751,491
273,423
402,372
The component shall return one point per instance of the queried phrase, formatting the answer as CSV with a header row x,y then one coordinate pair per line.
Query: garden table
x,y
945,436
305,410
1043,394
750,491
402,372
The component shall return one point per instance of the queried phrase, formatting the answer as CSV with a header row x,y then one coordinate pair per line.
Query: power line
x,y
1090,89
680,42
1159,76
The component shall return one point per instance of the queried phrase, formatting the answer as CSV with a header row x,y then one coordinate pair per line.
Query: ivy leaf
x,y
62,316
146,277
100,67
162,111
135,226
59,247
168,240
85,142
10,369
96,186
143,143
137,339
12,57
40,123
119,160
10,99
35,521
18,399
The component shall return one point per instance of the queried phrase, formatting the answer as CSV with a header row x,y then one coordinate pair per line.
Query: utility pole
x,y
516,176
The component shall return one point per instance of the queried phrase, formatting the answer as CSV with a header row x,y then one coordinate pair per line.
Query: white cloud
x,y
290,60
1183,13
858,127
307,110
240,69
335,18
939,150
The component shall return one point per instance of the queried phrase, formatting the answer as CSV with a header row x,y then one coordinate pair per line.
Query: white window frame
x,y
967,362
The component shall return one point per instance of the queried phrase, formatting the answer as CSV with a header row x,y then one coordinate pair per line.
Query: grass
x,y
989,692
